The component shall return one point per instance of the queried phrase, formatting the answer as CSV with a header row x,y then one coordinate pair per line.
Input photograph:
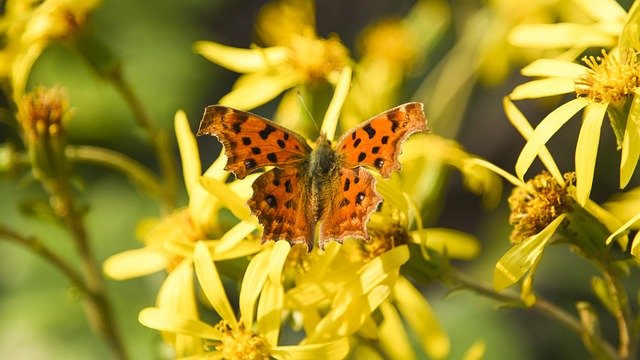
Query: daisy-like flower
x,y
28,27
390,51
255,333
590,24
541,210
169,243
294,55
607,85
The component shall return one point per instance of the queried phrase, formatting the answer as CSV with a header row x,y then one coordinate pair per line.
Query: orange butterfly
x,y
307,184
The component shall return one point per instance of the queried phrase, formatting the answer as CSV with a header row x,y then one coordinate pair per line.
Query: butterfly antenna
x,y
304,105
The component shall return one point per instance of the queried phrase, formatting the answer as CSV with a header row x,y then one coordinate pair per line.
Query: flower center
x,y
317,58
42,112
241,343
532,212
384,239
609,78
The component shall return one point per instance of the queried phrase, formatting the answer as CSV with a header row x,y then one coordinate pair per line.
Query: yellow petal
x,y
545,130
603,10
393,337
159,319
252,283
229,198
255,89
544,87
269,314
630,143
456,244
330,120
189,154
421,318
587,149
335,350
562,35
211,285
276,261
234,236
475,351
519,259
624,228
134,263
512,179
517,119
553,68
629,39
242,60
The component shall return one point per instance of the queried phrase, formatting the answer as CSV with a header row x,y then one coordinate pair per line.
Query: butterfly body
x,y
325,184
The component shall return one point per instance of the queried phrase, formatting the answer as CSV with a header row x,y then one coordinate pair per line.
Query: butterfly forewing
x,y
377,142
251,141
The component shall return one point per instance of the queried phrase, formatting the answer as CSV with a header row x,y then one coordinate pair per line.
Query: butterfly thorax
x,y
323,168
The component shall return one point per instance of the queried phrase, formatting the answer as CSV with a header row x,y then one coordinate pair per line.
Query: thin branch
x,y
39,248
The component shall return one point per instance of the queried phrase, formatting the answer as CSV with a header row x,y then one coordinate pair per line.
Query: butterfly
x,y
307,184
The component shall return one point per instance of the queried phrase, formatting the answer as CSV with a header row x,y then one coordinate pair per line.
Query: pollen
x,y
42,113
242,343
383,240
317,58
532,211
609,78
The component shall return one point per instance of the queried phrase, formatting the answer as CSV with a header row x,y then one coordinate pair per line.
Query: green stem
x,y
159,139
96,305
139,174
40,249
627,341
544,307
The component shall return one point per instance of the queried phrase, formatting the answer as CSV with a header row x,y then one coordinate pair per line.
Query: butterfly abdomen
x,y
323,168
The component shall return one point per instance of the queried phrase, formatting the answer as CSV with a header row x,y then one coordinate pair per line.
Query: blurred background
x,y
41,317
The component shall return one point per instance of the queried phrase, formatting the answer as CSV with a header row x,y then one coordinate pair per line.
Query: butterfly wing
x,y
251,141
377,142
349,211
280,202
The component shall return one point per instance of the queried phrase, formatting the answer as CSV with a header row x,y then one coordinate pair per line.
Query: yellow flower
x,y
29,26
607,85
296,56
591,24
171,240
248,336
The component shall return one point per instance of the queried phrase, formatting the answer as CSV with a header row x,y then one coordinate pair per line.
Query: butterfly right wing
x,y
251,141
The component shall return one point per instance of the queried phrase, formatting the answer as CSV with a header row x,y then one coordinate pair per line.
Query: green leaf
x,y
521,257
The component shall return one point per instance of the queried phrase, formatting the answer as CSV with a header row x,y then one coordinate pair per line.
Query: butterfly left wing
x,y
251,141
377,142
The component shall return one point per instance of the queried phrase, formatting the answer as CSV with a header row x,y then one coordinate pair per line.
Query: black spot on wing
x,y
359,198
281,143
246,140
384,140
394,125
369,130
357,142
271,201
272,157
362,156
287,186
344,202
379,162
347,183
375,149
256,151
288,204
264,134
249,164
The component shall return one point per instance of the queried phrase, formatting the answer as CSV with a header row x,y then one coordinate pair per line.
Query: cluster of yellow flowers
x,y
253,301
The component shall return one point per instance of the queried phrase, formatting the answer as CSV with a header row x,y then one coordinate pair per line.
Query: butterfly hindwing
x,y
251,141
348,212
283,207
377,142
